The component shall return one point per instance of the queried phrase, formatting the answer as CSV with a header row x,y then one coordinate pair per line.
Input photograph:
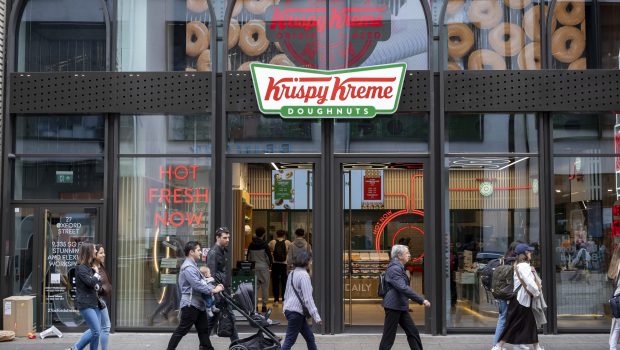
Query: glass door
x,y
46,241
383,206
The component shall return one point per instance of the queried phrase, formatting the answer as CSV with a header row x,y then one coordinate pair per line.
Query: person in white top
x,y
614,333
521,327
298,303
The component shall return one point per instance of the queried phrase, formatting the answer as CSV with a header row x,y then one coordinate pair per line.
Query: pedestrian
x,y
614,333
217,262
88,283
104,296
502,304
279,247
193,309
299,244
299,304
521,327
396,301
259,253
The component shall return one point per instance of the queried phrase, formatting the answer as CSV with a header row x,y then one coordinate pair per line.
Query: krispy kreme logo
x,y
340,35
310,93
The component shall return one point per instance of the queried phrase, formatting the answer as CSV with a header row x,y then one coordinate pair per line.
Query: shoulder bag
x,y
614,302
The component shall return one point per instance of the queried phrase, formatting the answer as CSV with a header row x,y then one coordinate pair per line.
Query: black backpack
x,y
383,285
486,274
279,251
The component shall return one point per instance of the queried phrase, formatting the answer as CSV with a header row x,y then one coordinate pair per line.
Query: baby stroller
x,y
264,339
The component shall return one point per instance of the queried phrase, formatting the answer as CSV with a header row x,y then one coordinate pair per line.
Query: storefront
x,y
136,124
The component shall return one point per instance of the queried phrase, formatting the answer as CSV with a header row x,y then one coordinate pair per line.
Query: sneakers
x,y
497,348
275,303
521,347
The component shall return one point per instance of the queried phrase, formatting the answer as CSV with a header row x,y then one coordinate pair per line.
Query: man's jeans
x,y
501,321
92,317
103,338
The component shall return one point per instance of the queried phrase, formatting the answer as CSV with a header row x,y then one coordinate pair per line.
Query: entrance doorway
x,y
383,205
277,198
46,240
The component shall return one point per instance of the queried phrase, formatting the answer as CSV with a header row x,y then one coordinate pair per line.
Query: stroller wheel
x,y
238,347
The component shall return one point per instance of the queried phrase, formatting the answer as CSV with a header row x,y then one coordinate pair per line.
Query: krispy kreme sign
x,y
342,34
311,93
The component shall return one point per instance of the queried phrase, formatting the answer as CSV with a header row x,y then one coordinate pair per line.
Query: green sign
x,y
168,278
168,263
282,189
64,177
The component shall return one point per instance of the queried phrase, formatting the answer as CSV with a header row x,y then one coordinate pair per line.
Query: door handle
x,y
7,260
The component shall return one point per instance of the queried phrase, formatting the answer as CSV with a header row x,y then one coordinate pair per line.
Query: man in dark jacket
x,y
396,301
217,262
298,245
259,252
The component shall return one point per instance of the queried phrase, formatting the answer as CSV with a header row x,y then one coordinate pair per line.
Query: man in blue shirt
x,y
192,287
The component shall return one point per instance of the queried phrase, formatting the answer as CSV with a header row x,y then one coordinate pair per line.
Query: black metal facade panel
x,y
107,92
532,91
415,96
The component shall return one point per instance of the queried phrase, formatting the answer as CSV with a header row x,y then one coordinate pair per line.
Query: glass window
x,y
59,134
489,35
571,44
383,134
492,202
491,133
64,178
587,218
163,35
61,35
163,204
258,133
174,134
584,133
609,34
303,33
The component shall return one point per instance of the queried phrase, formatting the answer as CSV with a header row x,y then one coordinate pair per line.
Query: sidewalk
x,y
158,341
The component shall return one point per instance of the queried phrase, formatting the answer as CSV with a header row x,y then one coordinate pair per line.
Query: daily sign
x,y
310,93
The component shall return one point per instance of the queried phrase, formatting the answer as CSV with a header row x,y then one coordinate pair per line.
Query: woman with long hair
x,y
521,327
88,283
104,296
297,298
614,267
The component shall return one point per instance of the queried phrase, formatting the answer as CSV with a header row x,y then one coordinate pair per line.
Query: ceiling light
x,y
274,166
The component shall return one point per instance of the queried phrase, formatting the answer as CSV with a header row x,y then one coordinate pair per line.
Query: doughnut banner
x,y
307,93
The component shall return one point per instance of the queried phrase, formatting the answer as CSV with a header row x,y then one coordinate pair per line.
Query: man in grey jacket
x,y
396,301
192,287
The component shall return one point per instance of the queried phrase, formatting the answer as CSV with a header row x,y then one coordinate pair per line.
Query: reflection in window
x,y
383,133
163,36
487,35
610,34
163,204
586,215
584,133
62,35
258,133
570,40
492,202
175,134
491,133
58,178
59,134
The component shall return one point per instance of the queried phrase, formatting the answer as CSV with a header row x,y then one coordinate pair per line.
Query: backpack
x,y
383,285
486,274
503,282
279,251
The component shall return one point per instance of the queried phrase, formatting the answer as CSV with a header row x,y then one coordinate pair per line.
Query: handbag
x,y
225,323
101,303
305,311
614,302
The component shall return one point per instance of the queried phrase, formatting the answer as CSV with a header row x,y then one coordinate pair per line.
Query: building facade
x,y
135,124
